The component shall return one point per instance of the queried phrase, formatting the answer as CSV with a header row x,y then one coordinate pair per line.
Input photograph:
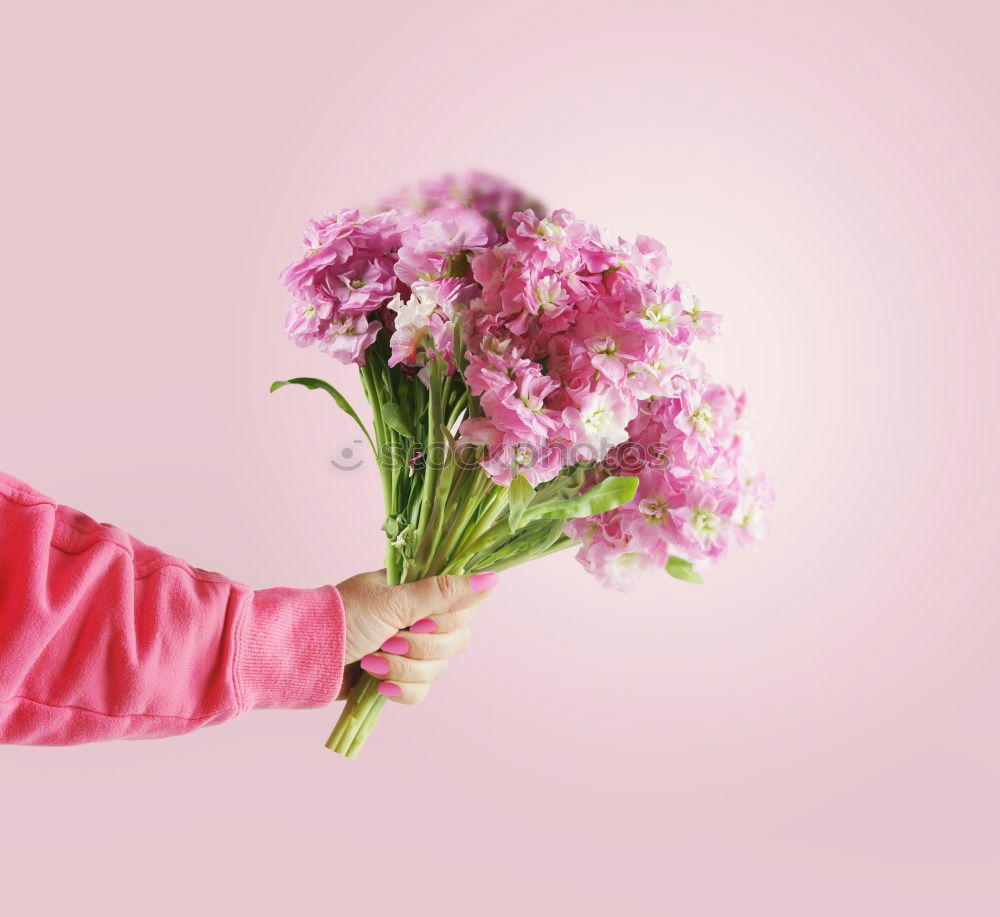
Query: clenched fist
x,y
404,635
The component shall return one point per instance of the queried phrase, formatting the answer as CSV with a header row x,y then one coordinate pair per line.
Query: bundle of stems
x,y
443,513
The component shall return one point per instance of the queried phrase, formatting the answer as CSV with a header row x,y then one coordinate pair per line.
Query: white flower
x,y
601,421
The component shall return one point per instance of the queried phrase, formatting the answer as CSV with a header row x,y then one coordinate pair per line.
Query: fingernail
x,y
389,689
395,645
480,582
424,626
375,664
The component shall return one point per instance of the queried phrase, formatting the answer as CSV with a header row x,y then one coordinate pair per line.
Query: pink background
x,y
813,732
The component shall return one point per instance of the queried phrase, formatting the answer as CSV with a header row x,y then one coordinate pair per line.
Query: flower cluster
x,y
574,330
579,349
699,489
341,283
353,265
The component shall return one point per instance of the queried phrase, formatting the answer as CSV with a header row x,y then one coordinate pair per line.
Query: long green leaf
x,y
393,415
609,494
682,569
341,401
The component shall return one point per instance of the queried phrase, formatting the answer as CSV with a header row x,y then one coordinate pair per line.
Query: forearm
x,y
103,637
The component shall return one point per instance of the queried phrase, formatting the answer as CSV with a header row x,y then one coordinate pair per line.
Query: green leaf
x,y
520,494
341,401
609,494
679,568
393,415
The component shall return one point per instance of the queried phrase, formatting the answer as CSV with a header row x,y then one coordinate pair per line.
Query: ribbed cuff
x,y
290,648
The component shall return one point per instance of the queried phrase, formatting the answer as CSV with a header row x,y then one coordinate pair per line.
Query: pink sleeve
x,y
103,637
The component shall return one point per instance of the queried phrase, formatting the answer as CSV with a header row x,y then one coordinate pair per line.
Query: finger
x,y
401,668
442,624
439,595
428,646
403,693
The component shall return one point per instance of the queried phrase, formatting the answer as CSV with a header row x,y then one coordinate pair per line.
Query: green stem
x,y
498,561
461,402
367,725
478,537
432,453
359,714
466,506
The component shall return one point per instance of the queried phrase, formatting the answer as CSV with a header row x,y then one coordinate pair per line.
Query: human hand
x,y
437,611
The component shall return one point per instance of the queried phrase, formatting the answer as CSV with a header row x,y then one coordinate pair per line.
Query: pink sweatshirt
x,y
103,637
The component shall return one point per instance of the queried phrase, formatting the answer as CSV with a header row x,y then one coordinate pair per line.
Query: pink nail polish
x,y
395,645
424,626
389,689
480,582
375,664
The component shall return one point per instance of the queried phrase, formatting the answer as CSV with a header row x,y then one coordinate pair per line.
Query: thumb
x,y
439,595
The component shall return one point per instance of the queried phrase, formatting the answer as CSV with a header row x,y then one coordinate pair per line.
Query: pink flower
x,y
657,309
714,472
430,246
601,419
303,323
663,372
423,325
610,348
478,431
705,325
756,497
702,523
537,462
647,518
517,405
346,339
650,258
705,418
749,527
547,241
364,285
615,559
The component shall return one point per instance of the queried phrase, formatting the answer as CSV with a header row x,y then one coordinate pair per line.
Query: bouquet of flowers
x,y
534,386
